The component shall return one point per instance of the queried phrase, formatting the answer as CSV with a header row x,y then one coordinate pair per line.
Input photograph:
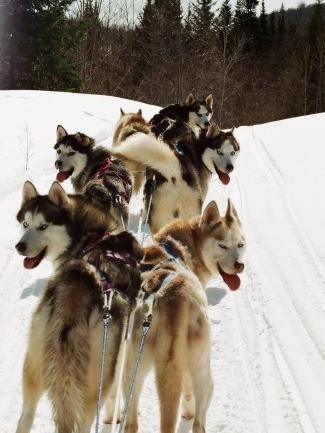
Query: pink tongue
x,y
224,177
62,175
30,262
232,281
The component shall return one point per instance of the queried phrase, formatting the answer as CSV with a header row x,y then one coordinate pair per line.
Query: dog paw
x,y
187,415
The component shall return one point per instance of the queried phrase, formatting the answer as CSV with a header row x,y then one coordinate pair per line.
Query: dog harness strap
x,y
96,242
123,257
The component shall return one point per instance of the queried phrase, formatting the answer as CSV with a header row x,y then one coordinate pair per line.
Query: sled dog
x,y
127,125
176,268
65,342
178,175
93,171
177,120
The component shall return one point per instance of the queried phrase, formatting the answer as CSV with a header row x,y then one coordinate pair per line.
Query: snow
x,y
268,337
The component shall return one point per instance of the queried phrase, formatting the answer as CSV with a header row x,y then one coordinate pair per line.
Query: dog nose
x,y
21,247
207,124
239,266
229,168
58,164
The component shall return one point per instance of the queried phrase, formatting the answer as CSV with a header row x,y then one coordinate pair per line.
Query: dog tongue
x,y
232,280
62,175
31,262
224,177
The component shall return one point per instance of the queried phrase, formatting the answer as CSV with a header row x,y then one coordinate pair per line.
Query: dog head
x,y
127,124
221,150
223,243
72,152
43,220
200,111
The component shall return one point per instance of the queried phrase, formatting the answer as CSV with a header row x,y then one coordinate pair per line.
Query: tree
x,y
38,40
203,21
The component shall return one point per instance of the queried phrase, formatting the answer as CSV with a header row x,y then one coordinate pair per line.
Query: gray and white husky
x,y
178,173
65,341
94,172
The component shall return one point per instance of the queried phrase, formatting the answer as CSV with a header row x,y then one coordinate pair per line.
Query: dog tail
x,y
149,151
67,355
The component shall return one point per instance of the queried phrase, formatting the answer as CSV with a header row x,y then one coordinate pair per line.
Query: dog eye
x,y
58,151
240,245
25,224
43,227
232,153
223,247
71,153
219,152
200,115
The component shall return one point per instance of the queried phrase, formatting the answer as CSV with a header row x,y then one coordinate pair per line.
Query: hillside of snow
x,y
268,337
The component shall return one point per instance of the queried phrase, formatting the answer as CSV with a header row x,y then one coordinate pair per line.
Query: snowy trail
x,y
268,353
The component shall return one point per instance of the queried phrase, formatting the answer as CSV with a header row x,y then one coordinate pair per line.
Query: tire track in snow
x,y
284,289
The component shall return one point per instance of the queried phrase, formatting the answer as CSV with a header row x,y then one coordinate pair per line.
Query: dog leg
x,y
32,391
203,388
145,365
109,405
188,402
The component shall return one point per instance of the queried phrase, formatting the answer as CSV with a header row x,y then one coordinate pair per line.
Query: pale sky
x,y
270,5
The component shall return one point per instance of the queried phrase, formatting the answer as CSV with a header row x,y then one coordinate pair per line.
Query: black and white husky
x,y
93,172
177,120
178,172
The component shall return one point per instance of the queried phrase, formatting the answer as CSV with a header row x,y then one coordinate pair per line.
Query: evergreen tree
x,y
263,40
225,17
203,20
281,30
37,38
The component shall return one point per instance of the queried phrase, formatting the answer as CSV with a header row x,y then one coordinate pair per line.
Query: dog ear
x,y
58,196
83,139
140,112
209,101
231,213
190,99
29,192
60,133
213,130
210,217
122,112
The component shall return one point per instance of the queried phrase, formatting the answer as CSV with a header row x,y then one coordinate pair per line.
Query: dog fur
x,y
65,341
182,170
93,171
178,344
178,120
127,125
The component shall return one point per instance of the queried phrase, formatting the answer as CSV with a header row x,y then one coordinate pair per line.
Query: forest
x,y
259,67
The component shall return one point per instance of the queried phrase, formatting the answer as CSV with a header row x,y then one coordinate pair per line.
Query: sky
x,y
268,341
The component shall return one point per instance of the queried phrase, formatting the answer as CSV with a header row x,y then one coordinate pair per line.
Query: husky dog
x,y
187,253
178,175
127,125
65,341
177,120
104,180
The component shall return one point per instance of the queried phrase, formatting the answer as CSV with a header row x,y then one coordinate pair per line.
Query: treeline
x,y
259,67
